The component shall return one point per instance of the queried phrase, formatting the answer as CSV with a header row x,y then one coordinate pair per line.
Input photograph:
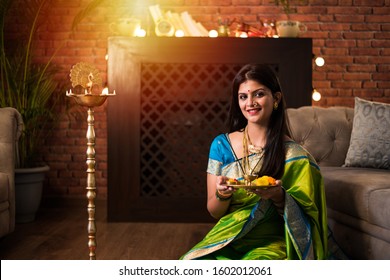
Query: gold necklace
x,y
252,148
247,169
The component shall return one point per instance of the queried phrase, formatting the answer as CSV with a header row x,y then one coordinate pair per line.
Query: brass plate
x,y
250,186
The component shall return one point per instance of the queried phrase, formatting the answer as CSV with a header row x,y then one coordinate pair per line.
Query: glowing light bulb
x,y
213,33
179,33
140,32
320,61
316,95
244,35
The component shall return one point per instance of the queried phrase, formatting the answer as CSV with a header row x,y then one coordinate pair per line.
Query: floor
x,y
59,232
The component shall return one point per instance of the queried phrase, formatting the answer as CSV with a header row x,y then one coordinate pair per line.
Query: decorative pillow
x,y
370,137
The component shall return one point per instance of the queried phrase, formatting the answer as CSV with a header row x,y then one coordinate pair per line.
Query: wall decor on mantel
x,y
174,99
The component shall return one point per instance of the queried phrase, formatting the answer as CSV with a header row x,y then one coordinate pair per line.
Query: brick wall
x,y
352,35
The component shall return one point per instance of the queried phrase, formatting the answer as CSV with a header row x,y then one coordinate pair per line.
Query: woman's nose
x,y
250,99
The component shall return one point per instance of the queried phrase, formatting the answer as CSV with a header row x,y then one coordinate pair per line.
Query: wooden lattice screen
x,y
182,107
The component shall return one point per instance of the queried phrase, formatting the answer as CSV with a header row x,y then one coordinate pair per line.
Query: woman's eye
x,y
242,96
258,94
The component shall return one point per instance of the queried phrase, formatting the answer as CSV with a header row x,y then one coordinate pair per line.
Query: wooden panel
x,y
172,99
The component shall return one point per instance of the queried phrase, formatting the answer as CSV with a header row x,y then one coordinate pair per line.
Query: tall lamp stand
x,y
90,101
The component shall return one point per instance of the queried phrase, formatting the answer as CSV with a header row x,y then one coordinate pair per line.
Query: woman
x,y
286,221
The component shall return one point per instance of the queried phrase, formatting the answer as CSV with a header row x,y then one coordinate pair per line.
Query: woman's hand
x,y
218,207
274,193
222,186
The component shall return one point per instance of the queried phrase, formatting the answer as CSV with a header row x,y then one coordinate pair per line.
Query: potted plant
x,y
30,88
289,28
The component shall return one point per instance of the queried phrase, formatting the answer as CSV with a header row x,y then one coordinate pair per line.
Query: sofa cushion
x,y
324,132
370,137
363,193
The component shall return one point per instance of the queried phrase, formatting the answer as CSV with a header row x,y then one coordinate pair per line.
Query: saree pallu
x,y
252,228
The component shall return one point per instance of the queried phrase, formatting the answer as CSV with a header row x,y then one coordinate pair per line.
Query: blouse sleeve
x,y
215,161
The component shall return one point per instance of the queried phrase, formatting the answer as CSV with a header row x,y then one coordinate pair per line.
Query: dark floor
x,y
60,233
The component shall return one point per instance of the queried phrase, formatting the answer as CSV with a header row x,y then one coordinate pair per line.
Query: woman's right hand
x,y
222,186
217,207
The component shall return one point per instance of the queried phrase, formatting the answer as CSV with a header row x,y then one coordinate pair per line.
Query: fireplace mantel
x,y
172,99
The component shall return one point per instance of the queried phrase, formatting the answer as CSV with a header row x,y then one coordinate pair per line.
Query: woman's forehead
x,y
250,85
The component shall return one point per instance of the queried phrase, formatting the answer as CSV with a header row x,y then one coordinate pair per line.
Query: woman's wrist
x,y
280,202
222,197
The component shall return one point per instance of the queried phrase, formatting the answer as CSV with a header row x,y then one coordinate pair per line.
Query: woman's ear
x,y
277,97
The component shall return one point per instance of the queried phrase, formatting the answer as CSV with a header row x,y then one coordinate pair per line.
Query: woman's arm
x,y
218,203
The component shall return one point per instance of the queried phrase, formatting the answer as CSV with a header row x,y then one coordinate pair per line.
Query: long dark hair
x,y
274,151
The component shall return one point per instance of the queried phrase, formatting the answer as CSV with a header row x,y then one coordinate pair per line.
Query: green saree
x,y
252,228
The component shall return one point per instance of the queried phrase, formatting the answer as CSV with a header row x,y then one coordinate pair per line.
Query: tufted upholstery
x,y
358,199
325,132
10,129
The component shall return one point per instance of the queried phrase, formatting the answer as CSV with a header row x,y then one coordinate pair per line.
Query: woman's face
x,y
256,102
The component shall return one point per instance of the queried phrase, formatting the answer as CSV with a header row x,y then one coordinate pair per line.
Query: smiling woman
x,y
256,223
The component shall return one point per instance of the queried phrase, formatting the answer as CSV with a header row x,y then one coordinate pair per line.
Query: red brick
x,y
381,76
361,68
364,43
358,35
377,18
336,35
385,85
370,84
356,76
381,10
349,18
335,26
338,60
370,3
379,59
382,35
340,43
348,85
364,52
335,51
381,43
365,26
335,76
361,59
384,68
368,93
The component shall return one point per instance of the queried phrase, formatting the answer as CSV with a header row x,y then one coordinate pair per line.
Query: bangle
x,y
222,197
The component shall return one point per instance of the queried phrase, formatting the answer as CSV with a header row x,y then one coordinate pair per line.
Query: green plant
x,y
26,85
286,6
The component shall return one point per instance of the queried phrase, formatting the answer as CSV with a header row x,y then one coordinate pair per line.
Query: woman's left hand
x,y
275,193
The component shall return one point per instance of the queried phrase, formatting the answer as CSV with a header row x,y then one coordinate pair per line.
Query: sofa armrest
x,y
11,126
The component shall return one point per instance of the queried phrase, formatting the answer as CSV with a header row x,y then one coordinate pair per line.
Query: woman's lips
x,y
253,111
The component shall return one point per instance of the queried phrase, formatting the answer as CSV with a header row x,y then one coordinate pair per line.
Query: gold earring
x,y
276,105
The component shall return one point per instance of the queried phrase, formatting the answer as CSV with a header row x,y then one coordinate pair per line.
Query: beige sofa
x,y
358,199
10,129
